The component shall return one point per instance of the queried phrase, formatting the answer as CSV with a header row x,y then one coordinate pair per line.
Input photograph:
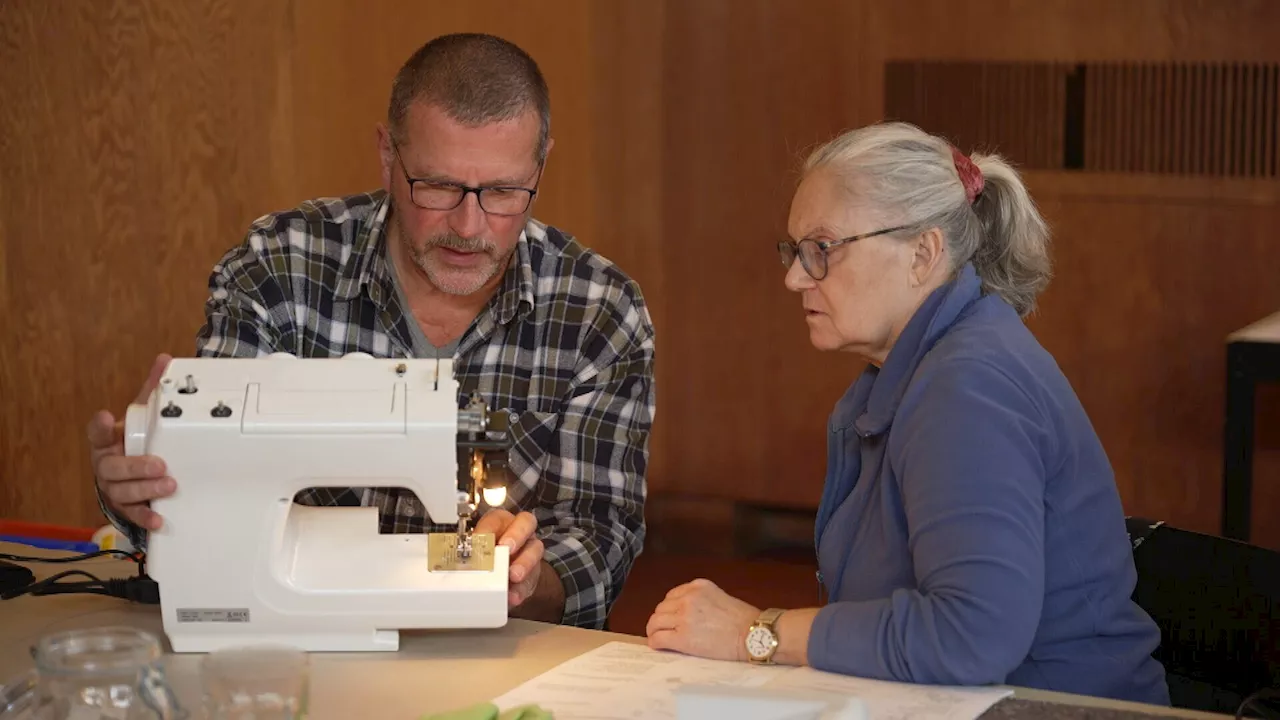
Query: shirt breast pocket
x,y
534,441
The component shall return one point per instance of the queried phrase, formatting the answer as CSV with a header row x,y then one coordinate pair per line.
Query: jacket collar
x,y
870,404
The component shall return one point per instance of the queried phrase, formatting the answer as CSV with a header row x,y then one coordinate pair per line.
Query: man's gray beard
x,y
454,282
440,280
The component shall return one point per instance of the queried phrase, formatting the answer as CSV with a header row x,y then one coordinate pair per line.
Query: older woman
x,y
970,531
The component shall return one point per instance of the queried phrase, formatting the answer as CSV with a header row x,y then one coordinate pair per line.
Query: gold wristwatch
x,y
762,637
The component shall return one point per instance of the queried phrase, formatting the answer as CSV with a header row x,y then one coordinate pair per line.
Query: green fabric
x,y
489,711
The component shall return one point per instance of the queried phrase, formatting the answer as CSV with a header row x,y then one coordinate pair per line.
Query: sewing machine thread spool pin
x,y
220,410
189,387
171,410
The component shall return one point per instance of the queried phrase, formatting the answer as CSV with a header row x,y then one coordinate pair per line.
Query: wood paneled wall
x,y
1152,271
138,139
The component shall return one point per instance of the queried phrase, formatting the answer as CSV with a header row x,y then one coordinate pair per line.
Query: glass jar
x,y
111,673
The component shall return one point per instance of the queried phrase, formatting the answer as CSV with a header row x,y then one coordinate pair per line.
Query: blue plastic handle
x,y
47,544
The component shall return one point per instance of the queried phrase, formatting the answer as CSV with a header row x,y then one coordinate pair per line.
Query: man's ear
x,y
386,155
546,154
927,256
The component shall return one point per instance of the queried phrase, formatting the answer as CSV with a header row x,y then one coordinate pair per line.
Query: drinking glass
x,y
256,682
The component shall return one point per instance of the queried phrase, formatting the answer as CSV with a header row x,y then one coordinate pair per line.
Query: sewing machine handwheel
x,y
135,430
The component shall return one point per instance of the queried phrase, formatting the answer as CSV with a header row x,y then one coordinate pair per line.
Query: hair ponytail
x,y
1012,258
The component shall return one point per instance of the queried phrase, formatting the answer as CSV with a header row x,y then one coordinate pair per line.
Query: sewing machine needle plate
x,y
442,555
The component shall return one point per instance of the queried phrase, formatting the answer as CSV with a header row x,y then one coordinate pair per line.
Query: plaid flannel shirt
x,y
567,343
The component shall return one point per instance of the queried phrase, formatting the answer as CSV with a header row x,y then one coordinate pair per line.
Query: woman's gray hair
x,y
909,177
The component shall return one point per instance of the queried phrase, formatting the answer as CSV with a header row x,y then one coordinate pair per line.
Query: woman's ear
x,y
927,256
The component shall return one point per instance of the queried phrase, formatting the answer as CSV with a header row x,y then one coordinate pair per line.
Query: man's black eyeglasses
x,y
813,253
495,199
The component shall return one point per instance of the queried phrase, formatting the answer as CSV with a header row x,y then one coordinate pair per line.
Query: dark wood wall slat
x,y
1166,118
1266,123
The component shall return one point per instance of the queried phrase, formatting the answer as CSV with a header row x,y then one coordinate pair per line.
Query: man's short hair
x,y
476,79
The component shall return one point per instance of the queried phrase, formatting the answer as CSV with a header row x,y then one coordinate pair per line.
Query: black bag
x,y
1217,602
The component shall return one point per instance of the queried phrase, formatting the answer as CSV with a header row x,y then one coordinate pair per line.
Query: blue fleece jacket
x,y
970,531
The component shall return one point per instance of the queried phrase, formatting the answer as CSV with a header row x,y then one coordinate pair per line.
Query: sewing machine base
x,y
330,582
376,641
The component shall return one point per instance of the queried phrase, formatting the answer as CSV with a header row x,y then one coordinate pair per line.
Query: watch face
x,y
759,642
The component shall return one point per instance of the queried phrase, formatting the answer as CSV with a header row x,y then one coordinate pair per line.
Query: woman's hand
x,y
700,619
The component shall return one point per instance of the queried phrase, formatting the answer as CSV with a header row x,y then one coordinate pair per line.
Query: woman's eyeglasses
x,y
813,253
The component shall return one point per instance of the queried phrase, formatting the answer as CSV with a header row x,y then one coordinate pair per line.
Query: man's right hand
x,y
128,484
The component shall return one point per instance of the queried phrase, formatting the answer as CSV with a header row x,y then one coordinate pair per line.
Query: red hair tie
x,y
970,175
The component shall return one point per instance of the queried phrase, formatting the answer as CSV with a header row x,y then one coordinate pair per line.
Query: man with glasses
x,y
445,261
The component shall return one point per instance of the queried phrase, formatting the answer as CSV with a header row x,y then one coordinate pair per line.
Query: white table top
x,y
1266,330
432,672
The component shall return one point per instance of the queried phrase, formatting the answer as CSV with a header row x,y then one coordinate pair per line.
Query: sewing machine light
x,y
495,496
493,483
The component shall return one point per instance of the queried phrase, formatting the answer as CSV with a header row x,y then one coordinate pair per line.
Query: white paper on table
x,y
898,701
621,680
624,681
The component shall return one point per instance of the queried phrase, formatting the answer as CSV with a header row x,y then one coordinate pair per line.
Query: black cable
x,y
35,588
84,588
140,588
72,558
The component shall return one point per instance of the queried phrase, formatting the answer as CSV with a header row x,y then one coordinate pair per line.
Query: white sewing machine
x,y
238,562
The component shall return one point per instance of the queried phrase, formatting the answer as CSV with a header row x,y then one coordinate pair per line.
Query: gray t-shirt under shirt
x,y
422,347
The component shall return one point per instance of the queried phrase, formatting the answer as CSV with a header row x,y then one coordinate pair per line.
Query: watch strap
x,y
769,618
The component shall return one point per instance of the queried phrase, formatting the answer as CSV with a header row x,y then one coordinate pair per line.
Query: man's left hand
x,y
516,532
698,618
